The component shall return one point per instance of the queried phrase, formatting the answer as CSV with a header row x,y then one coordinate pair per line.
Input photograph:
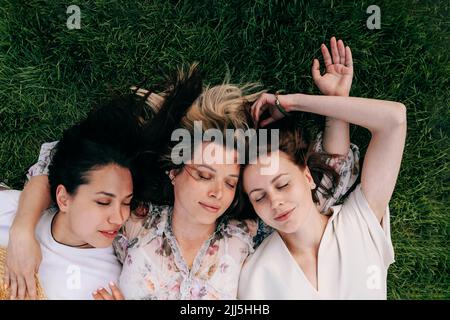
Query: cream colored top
x,y
353,259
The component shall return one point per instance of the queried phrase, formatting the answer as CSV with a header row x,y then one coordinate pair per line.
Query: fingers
x,y
6,279
326,55
341,50
348,57
258,107
12,286
252,109
97,296
315,70
31,286
21,288
334,50
140,92
267,121
116,292
102,294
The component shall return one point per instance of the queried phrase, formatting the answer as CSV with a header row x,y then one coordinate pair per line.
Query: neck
x,y
63,234
307,238
185,229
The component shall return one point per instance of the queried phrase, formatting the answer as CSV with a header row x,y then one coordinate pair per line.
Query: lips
x,y
284,216
210,208
110,234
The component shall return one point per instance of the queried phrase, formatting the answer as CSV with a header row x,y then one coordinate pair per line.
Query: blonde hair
x,y
220,107
224,106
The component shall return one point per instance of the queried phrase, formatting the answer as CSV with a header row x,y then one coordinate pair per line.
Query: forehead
x,y
267,167
110,177
217,156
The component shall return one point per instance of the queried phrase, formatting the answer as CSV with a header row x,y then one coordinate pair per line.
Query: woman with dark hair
x,y
181,242
90,180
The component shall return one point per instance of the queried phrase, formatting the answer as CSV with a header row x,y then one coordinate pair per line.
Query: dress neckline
x,y
317,291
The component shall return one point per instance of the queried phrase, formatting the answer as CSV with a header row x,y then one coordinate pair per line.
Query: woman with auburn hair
x,y
342,255
182,240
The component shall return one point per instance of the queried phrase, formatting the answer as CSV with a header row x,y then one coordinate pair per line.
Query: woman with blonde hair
x,y
182,240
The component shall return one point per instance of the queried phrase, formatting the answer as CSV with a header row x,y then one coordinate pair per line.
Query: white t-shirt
x,y
66,273
353,259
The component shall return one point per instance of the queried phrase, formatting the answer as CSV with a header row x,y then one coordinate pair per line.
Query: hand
x,y
264,102
103,294
23,258
337,81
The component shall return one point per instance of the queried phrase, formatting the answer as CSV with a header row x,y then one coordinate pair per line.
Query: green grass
x,y
49,76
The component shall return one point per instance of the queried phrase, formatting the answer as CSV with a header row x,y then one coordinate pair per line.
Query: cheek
x,y
263,211
262,208
187,190
127,213
87,218
228,199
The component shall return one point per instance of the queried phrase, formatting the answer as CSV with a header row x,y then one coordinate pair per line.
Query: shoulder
x,y
147,212
356,205
354,220
145,220
265,250
241,230
264,264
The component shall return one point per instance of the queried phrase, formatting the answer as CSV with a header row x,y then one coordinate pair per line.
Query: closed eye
x,y
102,203
203,175
232,186
283,186
260,198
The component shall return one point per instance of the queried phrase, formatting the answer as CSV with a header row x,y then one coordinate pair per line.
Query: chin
x,y
287,230
101,244
290,227
208,220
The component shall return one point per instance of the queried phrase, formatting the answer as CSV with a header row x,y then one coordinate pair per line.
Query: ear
x,y
172,174
309,178
62,198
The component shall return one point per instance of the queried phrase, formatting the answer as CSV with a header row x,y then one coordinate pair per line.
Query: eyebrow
x,y
271,181
278,176
214,170
112,195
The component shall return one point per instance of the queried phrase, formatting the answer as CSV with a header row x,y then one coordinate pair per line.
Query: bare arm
x,y
34,199
337,81
24,253
386,120
336,136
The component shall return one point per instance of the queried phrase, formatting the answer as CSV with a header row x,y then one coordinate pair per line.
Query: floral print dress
x,y
153,266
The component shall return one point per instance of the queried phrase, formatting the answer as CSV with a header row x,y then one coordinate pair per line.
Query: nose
x,y
216,190
275,202
119,215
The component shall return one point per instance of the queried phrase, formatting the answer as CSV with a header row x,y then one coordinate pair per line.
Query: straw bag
x,y
4,294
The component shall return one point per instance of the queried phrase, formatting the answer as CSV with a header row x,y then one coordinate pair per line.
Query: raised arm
x,y
386,120
337,81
